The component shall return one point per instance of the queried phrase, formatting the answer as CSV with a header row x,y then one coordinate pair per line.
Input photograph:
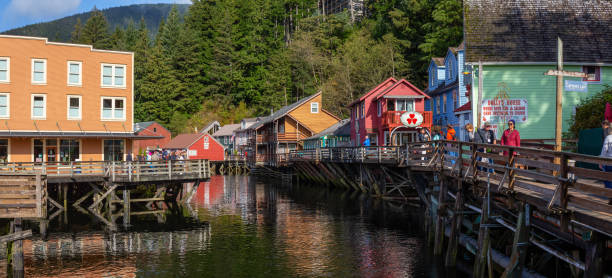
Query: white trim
x,y
113,76
8,106
537,64
65,44
80,83
314,105
44,116
132,104
44,82
68,97
8,151
8,69
112,119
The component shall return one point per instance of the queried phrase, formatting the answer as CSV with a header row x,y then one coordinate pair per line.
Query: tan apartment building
x,y
64,102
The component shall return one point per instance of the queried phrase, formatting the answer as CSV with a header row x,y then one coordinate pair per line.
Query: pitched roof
x,y
527,30
183,141
142,125
466,107
341,128
403,81
374,90
209,125
458,48
226,130
248,120
438,60
282,111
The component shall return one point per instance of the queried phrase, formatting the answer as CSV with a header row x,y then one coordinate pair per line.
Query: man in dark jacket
x,y
485,136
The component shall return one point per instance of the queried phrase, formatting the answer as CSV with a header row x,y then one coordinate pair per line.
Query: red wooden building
x,y
377,113
197,146
150,129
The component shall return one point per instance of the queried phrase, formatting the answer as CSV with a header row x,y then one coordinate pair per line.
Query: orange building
x,y
64,102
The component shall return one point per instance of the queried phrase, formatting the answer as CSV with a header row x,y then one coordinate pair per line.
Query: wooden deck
x,y
555,182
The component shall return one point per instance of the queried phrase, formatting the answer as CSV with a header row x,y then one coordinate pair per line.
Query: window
x,y
363,110
281,127
404,105
74,107
38,150
386,139
113,108
39,71
438,99
4,105
455,100
74,73
69,150
593,73
314,107
390,105
444,101
155,129
5,74
4,146
379,107
39,106
113,75
113,150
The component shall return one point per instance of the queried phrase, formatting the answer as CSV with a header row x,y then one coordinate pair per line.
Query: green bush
x,y
590,112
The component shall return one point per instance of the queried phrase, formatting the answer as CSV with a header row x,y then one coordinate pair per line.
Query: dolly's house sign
x,y
411,119
503,110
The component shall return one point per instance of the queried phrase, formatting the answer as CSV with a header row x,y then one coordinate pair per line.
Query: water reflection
x,y
247,228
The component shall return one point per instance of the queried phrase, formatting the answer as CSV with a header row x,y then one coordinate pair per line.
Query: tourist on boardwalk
x,y
605,126
423,135
469,128
436,130
606,151
511,136
366,142
485,136
450,133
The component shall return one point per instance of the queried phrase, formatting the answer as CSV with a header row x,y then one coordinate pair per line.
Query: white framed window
x,y
404,105
75,73
314,107
379,107
39,106
112,75
363,110
593,73
5,69
74,107
5,108
112,109
444,100
39,71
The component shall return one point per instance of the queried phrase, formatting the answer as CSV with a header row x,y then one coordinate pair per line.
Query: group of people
x,y
156,155
510,137
606,151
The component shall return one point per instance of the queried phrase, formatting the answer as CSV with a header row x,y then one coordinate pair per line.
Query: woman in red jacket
x,y
511,136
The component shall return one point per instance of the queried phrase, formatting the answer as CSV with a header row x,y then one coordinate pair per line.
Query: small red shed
x,y
198,146
150,129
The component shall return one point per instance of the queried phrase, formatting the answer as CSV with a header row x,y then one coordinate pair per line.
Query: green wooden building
x,y
516,42
338,135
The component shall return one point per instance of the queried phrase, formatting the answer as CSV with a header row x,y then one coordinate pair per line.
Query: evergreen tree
x,y
75,36
95,31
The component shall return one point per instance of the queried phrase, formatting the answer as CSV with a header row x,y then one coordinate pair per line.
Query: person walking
x,y
511,136
366,142
605,126
485,136
469,128
606,151
436,130
450,133
423,135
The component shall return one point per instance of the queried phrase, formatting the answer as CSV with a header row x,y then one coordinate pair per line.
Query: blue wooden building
x,y
448,88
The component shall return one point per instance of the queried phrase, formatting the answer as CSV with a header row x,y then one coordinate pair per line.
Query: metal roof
x,y
282,112
341,128
226,130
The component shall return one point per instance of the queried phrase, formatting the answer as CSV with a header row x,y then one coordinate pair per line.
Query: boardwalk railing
x,y
557,181
121,171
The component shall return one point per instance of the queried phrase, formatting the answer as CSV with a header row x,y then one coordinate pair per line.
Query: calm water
x,y
244,227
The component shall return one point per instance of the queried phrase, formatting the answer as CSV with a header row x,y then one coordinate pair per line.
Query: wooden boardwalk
x,y
563,192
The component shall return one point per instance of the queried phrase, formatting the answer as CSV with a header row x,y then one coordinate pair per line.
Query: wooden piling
x,y
456,223
519,244
480,262
17,251
440,225
594,254
126,208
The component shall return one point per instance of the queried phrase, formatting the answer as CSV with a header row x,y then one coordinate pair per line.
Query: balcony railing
x,y
391,119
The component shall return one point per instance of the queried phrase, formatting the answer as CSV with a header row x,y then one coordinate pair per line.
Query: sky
x,y
17,13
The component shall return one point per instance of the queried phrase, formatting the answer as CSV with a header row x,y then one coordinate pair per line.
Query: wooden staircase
x,y
23,196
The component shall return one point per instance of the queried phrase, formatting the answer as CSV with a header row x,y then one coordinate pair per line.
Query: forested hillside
x,y
60,29
229,59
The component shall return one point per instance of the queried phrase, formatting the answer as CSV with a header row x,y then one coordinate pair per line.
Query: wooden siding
x,y
21,51
528,82
316,122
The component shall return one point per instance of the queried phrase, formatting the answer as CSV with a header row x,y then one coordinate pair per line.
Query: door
x,y
51,153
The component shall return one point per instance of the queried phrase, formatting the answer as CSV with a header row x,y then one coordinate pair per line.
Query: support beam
x,y
456,224
440,225
520,244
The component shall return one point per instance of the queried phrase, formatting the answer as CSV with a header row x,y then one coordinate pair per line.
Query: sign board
x,y
411,119
576,86
206,144
503,110
192,153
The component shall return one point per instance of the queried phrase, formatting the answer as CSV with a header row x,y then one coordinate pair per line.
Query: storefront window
x,y
3,150
69,150
38,150
113,150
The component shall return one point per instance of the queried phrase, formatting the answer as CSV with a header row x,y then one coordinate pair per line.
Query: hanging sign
x,y
576,86
503,110
411,119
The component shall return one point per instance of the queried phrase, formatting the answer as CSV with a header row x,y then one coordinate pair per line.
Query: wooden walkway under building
x,y
560,195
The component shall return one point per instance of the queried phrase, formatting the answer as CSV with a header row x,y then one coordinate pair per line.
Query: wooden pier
x,y
514,209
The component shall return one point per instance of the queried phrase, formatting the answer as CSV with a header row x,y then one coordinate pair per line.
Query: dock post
x,y
17,251
520,244
126,208
594,253
65,196
43,224
456,223
480,261
440,226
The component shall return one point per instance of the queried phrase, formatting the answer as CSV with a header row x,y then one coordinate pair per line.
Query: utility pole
x,y
560,73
